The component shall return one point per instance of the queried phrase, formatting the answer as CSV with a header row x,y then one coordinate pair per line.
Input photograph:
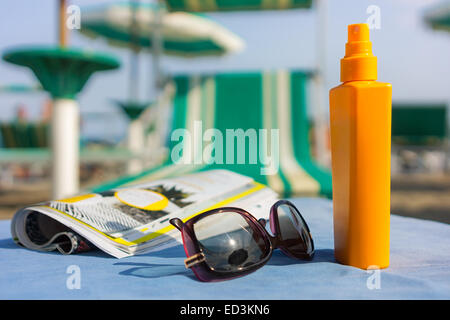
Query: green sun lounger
x,y
254,100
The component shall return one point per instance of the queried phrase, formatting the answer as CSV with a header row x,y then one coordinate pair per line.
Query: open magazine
x,y
135,219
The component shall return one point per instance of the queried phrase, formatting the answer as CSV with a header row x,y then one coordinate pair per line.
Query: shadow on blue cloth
x,y
8,243
173,252
150,270
278,257
321,255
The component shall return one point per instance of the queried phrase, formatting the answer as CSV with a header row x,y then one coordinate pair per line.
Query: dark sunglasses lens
x,y
294,232
230,241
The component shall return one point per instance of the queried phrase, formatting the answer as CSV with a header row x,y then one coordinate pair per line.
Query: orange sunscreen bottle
x,y
360,120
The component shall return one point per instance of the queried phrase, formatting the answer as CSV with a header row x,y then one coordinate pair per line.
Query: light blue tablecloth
x,y
420,269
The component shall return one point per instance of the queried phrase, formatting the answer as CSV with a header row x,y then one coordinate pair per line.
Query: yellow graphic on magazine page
x,y
78,199
142,199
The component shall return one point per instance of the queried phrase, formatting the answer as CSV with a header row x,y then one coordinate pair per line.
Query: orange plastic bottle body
x,y
360,118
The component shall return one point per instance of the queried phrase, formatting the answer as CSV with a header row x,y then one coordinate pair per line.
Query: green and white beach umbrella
x,y
439,17
235,5
183,34
143,26
63,73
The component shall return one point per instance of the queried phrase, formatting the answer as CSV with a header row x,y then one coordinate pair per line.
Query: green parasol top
x,y
133,109
62,71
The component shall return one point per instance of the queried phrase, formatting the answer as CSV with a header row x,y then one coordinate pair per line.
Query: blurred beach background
x,y
412,56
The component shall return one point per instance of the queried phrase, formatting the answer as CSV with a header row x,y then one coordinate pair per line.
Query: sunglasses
x,y
227,243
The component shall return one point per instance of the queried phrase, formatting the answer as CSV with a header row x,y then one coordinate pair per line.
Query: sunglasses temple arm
x,y
194,260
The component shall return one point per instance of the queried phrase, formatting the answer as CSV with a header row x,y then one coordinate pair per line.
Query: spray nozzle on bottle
x,y
359,63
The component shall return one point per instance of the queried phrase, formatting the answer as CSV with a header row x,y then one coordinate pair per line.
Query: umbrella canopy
x,y
62,72
439,17
235,5
133,109
183,33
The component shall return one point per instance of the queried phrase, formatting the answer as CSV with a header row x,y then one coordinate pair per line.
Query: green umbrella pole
x,y
134,55
63,35
136,137
320,114
133,93
135,143
157,49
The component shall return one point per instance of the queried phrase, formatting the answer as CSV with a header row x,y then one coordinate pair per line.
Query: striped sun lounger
x,y
254,100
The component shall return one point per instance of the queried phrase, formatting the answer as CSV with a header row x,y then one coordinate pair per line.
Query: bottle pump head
x,y
359,63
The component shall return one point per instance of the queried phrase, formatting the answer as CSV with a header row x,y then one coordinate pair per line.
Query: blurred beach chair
x,y
21,142
29,143
253,100
24,135
419,128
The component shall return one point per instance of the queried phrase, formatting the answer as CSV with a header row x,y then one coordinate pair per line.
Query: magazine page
x,y
128,220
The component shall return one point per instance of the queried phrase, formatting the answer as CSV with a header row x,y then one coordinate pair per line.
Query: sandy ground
x,y
23,193
421,196
424,196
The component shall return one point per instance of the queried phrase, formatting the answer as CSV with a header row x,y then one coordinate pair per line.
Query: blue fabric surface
x,y
420,269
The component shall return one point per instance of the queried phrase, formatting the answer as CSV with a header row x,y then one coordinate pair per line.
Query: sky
x,y
411,56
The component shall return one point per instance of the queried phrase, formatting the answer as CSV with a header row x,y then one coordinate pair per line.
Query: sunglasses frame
x,y
196,261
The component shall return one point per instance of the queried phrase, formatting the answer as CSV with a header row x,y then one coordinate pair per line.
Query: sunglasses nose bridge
x,y
273,239
275,242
